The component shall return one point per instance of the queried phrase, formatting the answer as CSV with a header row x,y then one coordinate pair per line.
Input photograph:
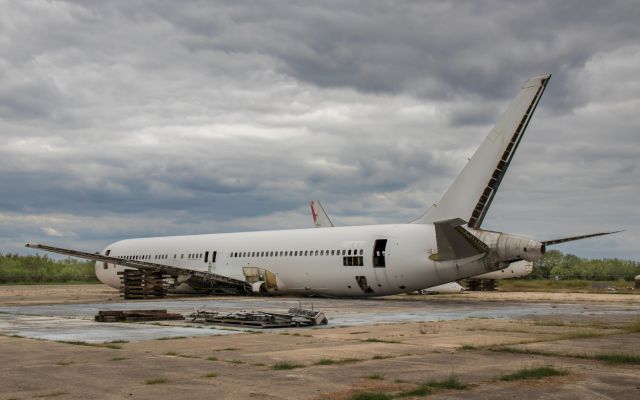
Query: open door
x,y
379,253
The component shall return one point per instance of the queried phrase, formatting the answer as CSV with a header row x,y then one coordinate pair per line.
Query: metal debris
x,y
136,316
296,317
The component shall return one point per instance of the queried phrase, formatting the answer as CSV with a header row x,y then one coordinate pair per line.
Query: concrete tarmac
x,y
50,347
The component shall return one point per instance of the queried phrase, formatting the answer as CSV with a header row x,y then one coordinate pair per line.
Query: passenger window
x,y
321,252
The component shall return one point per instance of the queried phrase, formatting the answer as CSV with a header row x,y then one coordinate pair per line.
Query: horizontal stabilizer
x,y
455,242
148,266
571,239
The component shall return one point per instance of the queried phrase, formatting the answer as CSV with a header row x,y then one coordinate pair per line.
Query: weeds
x,y
374,340
109,345
172,337
618,358
370,396
50,394
633,327
612,358
533,373
156,381
283,365
210,375
452,382
377,377
341,361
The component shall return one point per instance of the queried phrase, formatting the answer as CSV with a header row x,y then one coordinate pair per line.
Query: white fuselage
x,y
329,262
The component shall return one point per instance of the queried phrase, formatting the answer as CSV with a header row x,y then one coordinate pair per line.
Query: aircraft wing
x,y
203,276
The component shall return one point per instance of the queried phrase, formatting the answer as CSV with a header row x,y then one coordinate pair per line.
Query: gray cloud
x,y
127,119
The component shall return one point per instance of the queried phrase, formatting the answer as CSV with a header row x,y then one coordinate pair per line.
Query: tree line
x,y
36,269
15,268
567,266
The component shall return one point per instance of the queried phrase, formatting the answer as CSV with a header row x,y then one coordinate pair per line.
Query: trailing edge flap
x,y
147,266
455,242
320,217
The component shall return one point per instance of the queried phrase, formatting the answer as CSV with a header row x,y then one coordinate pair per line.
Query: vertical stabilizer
x,y
320,217
471,194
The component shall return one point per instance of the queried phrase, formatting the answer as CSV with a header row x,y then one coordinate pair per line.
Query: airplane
x,y
486,281
443,245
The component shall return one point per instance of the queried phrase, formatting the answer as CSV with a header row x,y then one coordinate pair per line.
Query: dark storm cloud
x,y
122,119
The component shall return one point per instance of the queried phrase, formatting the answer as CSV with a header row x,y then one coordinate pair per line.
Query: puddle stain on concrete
x,y
74,322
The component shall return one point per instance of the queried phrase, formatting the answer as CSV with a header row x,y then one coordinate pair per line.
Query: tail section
x,y
320,217
471,194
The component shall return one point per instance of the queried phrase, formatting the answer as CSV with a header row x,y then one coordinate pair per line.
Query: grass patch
x,y
381,357
452,382
284,365
375,377
235,361
358,332
118,359
468,347
617,358
187,356
50,394
533,373
612,358
371,396
172,337
421,390
633,327
64,363
212,358
583,334
156,381
341,361
170,353
210,375
80,343
374,340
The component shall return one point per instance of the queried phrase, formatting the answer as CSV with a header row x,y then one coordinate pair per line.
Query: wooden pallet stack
x,y
136,284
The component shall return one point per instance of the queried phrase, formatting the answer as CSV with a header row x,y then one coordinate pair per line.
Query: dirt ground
x,y
337,362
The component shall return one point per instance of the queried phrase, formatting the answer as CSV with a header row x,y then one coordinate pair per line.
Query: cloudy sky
x,y
124,119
